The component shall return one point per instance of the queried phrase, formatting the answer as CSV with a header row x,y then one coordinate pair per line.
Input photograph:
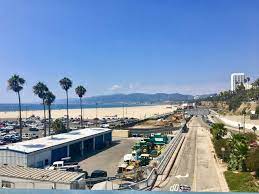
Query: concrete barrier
x,y
120,133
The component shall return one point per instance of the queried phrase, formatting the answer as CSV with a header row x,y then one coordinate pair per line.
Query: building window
x,y
6,184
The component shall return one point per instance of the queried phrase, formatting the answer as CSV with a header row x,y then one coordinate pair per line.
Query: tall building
x,y
237,79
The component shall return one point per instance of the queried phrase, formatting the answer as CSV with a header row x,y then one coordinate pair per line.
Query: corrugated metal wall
x,y
12,158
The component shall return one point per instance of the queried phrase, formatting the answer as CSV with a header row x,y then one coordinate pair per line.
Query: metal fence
x,y
162,160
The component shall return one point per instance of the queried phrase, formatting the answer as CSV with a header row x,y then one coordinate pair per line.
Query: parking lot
x,y
109,158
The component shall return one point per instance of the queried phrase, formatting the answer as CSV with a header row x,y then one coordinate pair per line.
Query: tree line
x,y
16,84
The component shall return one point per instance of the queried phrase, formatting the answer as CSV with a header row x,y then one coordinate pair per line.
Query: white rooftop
x,y
54,140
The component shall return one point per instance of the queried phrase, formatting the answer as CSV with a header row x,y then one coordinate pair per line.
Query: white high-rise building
x,y
237,79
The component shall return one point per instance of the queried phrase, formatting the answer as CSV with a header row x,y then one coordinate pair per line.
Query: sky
x,y
126,46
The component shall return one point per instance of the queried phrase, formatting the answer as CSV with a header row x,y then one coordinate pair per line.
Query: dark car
x,y
2,142
98,174
33,129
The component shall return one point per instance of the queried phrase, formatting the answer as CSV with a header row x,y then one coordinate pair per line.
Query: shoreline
x,y
139,112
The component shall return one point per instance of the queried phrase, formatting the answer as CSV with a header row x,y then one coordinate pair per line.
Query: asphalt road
x,y
109,158
195,165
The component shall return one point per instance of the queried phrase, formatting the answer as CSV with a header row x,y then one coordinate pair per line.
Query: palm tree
x,y
80,91
66,84
15,83
239,151
40,89
48,100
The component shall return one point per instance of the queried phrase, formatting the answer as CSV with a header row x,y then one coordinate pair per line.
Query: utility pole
x,y
96,116
244,122
123,111
126,110
26,109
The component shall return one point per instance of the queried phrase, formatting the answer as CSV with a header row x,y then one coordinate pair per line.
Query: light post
x,y
223,153
123,111
244,121
96,116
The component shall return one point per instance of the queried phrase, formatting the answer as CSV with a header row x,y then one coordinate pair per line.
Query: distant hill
x,y
134,98
204,96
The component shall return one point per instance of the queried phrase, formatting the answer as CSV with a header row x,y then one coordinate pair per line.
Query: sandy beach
x,y
90,113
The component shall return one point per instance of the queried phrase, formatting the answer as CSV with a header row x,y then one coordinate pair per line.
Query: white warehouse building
x,y
42,152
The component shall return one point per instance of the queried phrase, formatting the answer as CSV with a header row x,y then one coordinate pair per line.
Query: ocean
x,y
28,107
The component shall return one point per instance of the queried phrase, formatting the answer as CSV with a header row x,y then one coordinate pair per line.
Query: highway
x,y
195,165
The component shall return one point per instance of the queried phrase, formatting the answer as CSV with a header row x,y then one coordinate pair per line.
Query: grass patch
x,y
241,182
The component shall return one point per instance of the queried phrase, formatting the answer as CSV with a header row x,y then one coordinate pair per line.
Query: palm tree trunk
x,y
67,112
81,121
49,119
20,114
44,108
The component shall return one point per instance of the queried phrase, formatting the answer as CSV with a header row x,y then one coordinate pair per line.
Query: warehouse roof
x,y
54,140
40,174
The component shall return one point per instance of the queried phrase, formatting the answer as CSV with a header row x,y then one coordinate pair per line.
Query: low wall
x,y
120,133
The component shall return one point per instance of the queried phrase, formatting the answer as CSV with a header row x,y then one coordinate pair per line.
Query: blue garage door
x,y
75,150
99,144
108,137
58,153
88,146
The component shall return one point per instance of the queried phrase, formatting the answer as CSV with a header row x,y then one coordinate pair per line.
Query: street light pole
x,y
123,111
96,116
244,122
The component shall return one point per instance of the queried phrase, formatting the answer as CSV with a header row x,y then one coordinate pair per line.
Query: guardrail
x,y
163,162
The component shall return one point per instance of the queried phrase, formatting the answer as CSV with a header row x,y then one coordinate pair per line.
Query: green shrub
x,y
250,137
257,110
218,130
218,145
252,161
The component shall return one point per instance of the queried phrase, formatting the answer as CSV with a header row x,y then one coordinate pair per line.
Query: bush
x,y
218,145
58,126
257,110
252,161
218,130
250,137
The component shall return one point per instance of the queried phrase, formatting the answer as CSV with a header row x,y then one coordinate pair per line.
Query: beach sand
x,y
90,113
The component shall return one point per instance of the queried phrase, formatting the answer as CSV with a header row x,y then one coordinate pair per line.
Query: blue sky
x,y
123,46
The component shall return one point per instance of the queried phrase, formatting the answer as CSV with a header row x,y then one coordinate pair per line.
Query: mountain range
x,y
134,98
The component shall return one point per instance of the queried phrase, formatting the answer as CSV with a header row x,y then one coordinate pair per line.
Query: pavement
x,y
196,164
231,128
109,158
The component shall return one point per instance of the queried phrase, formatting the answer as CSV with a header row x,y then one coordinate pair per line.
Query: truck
x,y
63,166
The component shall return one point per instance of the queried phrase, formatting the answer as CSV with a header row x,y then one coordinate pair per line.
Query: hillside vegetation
x,y
239,101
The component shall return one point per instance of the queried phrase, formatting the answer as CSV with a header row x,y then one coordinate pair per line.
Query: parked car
x,y
2,142
25,136
98,174
33,129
